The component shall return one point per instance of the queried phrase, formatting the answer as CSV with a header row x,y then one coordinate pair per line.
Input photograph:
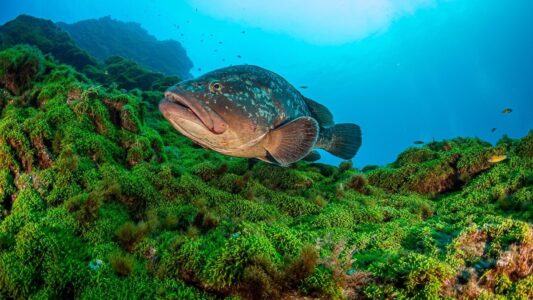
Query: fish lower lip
x,y
173,98
200,112
171,110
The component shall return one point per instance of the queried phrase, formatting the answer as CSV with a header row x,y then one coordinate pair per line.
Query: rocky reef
x,y
102,199
105,37
126,72
48,37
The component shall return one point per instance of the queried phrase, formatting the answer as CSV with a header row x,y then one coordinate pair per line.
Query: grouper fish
x,y
248,111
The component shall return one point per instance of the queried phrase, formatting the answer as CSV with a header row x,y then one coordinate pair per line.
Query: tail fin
x,y
341,140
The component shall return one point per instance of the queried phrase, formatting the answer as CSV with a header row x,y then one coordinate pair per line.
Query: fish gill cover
x,y
102,199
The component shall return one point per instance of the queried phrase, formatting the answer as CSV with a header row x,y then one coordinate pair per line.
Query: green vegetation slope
x,y
102,199
105,37
112,70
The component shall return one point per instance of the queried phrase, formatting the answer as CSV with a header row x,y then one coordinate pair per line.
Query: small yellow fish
x,y
497,158
507,111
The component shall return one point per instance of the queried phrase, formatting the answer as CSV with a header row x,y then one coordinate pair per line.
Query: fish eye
x,y
215,87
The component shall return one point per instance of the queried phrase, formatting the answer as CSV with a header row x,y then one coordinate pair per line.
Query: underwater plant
x,y
47,36
101,198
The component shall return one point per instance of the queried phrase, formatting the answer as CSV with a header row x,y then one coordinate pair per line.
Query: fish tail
x,y
341,140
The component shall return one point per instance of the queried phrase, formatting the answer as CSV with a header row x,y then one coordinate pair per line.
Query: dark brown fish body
x,y
247,111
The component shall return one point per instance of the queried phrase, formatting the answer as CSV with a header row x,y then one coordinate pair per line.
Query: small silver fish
x,y
248,111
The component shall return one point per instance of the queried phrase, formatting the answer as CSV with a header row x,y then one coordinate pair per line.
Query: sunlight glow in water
x,y
315,21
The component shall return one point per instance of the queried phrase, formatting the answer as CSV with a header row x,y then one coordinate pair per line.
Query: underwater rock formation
x,y
101,198
52,40
105,37
47,36
128,75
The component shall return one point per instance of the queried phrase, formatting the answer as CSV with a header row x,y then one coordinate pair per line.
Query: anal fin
x,y
312,156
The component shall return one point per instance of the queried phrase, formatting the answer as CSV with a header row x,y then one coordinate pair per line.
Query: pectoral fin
x,y
293,140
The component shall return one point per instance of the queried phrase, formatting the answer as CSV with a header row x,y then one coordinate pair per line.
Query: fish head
x,y
217,110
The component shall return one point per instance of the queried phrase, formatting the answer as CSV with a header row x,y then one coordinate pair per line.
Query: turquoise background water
x,y
439,70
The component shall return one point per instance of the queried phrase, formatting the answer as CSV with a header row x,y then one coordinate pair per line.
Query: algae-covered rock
x,y
106,37
90,173
19,66
46,36
126,73
439,167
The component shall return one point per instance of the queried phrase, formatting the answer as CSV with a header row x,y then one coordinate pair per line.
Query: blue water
x,y
441,70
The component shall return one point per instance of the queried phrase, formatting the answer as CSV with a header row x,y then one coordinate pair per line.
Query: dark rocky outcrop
x,y
106,37
47,36
50,39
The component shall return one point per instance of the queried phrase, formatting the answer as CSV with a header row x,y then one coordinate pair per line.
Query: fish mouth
x,y
176,105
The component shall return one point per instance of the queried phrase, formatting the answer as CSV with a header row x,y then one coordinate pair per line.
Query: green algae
x,y
52,40
91,172
47,36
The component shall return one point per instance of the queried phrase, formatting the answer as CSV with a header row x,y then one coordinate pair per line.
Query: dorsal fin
x,y
320,113
292,141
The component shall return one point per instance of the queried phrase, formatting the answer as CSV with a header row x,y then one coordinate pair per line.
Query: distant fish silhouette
x,y
238,56
243,32
303,86
220,43
418,142
507,111
493,129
